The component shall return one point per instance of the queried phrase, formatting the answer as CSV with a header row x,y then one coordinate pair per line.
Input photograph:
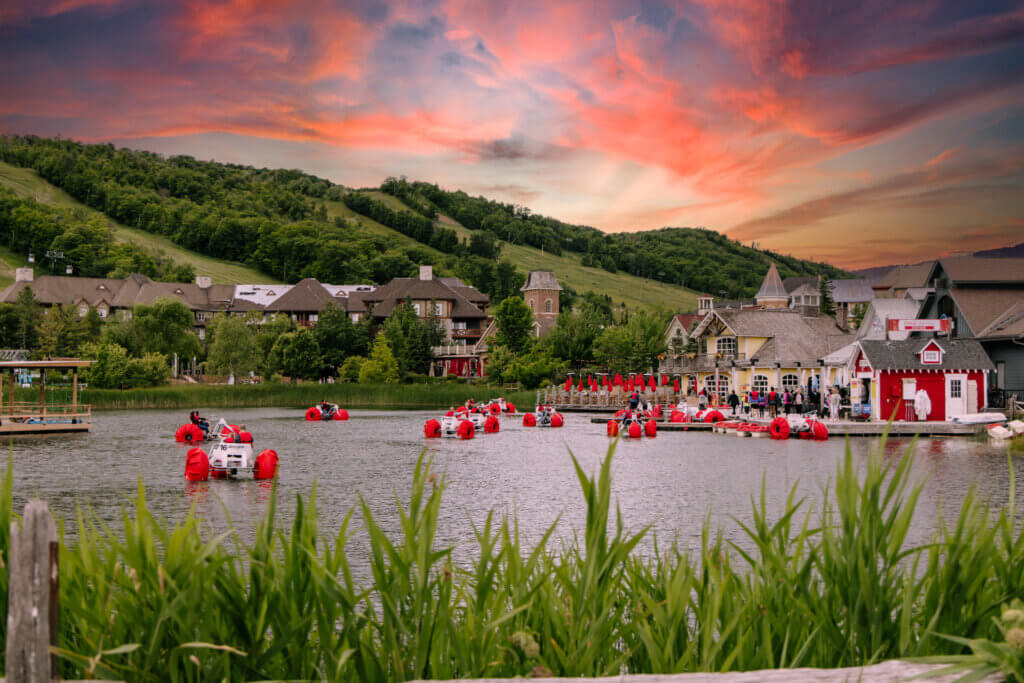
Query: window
x,y
759,383
955,388
313,317
727,347
691,384
531,304
438,308
82,310
547,305
930,356
722,388
790,382
418,307
102,311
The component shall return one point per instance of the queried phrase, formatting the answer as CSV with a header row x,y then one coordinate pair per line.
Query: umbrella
x,y
618,380
675,385
664,380
579,386
568,383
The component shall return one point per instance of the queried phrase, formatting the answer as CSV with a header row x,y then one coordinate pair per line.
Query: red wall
x,y
891,391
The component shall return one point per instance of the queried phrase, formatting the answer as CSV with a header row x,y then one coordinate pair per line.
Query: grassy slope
x,y
633,291
27,183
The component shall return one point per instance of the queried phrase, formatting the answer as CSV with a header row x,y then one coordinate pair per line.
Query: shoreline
x,y
385,396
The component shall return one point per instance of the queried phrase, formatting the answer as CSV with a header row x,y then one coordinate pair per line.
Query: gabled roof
x,y
982,307
851,291
772,287
791,284
384,298
905,277
1010,324
791,336
687,320
880,311
962,270
308,296
541,279
959,354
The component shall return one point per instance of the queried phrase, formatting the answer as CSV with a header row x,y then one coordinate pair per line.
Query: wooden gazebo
x,y
41,417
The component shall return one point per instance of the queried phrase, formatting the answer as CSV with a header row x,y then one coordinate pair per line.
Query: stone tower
x,y
541,294
772,293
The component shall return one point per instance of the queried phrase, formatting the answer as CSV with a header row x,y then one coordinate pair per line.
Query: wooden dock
x,y
842,428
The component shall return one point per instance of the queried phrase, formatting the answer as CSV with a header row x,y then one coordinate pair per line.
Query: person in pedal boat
x,y
200,422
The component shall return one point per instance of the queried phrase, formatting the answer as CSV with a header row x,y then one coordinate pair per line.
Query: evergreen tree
x,y
827,306
515,324
381,367
27,312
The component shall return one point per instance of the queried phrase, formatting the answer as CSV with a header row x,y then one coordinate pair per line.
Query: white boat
x,y
230,456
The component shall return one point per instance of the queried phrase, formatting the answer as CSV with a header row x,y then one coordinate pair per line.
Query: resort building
x,y
851,299
677,336
770,346
896,283
984,299
952,373
541,293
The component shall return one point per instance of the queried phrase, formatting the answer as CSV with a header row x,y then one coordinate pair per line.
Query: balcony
x,y
700,363
470,333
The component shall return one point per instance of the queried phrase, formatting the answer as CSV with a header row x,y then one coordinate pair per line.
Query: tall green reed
x,y
830,585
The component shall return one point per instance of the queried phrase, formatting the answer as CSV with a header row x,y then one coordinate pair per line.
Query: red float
x,y
266,465
651,429
509,408
340,414
197,465
819,431
557,420
779,428
313,414
612,428
635,431
676,416
188,433
432,429
465,430
529,420
713,416
491,425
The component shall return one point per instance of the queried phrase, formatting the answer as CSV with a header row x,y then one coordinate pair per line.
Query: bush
x,y
351,367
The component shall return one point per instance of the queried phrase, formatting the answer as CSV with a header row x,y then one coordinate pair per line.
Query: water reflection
x,y
672,482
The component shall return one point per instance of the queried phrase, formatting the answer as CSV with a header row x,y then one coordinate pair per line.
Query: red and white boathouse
x,y
953,372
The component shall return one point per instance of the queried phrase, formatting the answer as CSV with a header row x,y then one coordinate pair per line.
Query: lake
x,y
672,482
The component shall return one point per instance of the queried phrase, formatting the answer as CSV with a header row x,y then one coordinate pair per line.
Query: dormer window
x,y
931,354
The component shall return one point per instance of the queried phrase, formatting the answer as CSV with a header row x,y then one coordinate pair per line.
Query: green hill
x,y
285,225
27,183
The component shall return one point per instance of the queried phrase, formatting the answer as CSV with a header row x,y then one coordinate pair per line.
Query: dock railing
x,y
30,411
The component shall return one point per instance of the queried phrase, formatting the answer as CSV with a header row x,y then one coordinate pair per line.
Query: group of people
x,y
772,403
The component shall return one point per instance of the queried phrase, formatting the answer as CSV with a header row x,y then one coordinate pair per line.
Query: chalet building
x,y
803,291
541,293
984,298
759,348
953,373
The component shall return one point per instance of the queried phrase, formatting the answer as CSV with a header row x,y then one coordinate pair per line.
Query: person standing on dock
x,y
734,402
798,401
702,400
773,403
834,399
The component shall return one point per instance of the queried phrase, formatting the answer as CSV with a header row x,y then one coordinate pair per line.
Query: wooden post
x,y
32,599
42,393
74,390
12,392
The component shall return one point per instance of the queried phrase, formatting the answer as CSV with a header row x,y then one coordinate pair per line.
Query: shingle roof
x,y
851,291
982,306
791,284
688,319
905,277
772,287
977,269
884,310
306,296
384,298
1009,324
791,336
541,279
958,354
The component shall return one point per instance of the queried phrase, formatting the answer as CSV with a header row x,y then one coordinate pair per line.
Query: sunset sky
x,y
861,133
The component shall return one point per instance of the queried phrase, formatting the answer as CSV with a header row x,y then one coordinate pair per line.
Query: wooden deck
x,y
841,428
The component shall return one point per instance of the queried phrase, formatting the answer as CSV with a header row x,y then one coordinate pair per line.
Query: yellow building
x,y
761,348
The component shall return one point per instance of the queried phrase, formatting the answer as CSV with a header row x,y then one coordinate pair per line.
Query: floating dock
x,y
841,428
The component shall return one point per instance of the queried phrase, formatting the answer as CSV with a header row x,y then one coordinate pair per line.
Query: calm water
x,y
672,482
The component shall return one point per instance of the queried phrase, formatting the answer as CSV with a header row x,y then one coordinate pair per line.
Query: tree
x,y
297,355
515,324
381,367
165,328
351,367
572,338
412,339
233,350
499,363
27,311
827,306
266,338
61,332
109,367
338,337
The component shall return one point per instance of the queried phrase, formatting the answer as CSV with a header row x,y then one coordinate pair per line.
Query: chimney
x,y
203,282
426,272
24,275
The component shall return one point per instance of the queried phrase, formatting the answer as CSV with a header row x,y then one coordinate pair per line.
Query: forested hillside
x,y
289,225
695,258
